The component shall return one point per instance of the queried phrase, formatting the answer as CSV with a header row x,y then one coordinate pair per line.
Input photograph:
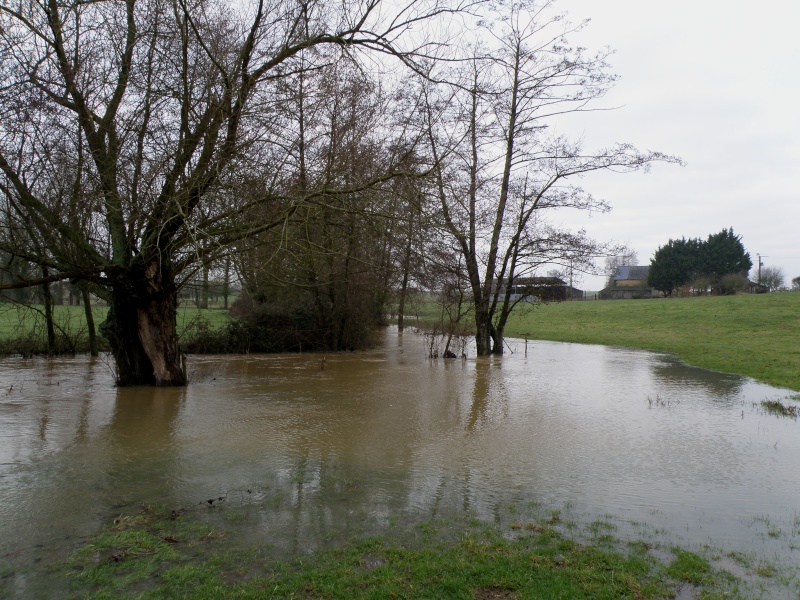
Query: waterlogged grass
x,y
754,335
778,408
158,554
689,567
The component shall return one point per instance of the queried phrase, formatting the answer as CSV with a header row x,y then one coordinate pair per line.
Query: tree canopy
x,y
681,262
674,264
772,277
142,140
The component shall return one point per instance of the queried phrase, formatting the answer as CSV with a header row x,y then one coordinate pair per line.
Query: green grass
x,y
753,335
26,322
18,320
168,555
689,567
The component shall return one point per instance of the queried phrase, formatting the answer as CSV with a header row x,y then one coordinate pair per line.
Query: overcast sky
x,y
717,83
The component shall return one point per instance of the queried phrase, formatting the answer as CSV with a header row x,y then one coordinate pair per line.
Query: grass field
x,y
755,335
22,320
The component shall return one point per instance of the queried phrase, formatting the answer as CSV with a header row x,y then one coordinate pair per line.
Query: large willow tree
x,y
137,137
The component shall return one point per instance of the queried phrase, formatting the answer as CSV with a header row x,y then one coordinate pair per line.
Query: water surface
x,y
317,448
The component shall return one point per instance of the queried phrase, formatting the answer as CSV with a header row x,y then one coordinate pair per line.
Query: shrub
x,y
276,328
732,284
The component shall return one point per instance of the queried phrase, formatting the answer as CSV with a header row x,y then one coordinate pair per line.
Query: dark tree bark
x,y
141,327
92,330
226,282
204,288
47,300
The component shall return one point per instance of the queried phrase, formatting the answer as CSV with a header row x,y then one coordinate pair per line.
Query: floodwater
x,y
317,448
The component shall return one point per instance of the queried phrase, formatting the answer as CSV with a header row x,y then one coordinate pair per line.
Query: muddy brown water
x,y
311,449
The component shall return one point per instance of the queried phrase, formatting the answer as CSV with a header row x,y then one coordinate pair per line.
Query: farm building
x,y
629,282
543,289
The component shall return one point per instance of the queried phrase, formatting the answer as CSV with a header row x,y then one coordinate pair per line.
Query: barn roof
x,y
628,272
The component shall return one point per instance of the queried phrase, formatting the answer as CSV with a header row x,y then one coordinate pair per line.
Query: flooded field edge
x,y
141,552
292,455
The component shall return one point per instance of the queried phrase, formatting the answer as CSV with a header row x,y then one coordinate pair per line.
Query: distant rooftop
x,y
628,272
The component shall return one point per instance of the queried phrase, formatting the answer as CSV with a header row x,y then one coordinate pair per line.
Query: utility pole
x,y
760,264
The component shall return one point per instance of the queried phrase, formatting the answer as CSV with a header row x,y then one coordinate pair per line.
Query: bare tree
x,y
626,258
772,277
130,133
499,169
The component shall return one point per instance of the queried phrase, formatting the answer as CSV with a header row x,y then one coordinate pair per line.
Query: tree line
x,y
717,265
327,156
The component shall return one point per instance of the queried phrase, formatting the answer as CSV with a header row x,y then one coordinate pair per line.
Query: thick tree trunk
x,y
497,341
141,328
483,333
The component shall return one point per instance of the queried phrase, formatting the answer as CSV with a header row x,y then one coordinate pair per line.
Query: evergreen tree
x,y
681,261
674,264
723,254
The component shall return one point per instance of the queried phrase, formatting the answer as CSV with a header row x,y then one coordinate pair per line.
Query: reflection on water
x,y
313,449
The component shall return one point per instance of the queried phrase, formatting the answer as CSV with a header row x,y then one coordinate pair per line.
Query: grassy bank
x,y
753,335
171,554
